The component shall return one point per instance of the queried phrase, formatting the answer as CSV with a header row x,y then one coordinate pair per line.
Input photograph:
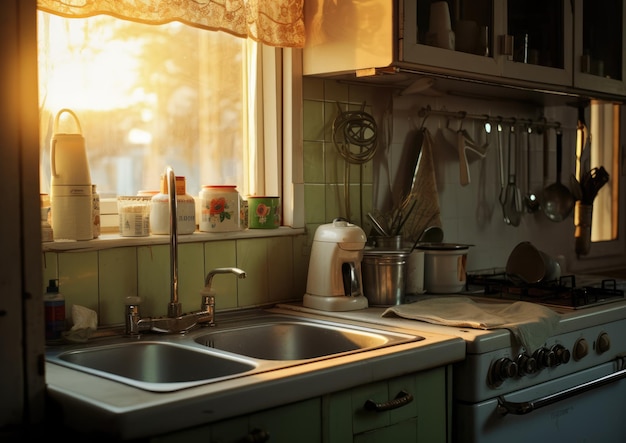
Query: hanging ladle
x,y
558,201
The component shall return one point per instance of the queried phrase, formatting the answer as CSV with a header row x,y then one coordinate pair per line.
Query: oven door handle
x,y
521,408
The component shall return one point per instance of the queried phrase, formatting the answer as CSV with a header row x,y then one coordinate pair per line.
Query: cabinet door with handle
x,y
410,408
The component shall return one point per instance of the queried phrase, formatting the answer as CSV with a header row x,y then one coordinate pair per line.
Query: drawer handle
x,y
403,398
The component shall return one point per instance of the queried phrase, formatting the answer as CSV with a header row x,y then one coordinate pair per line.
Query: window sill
x,y
110,241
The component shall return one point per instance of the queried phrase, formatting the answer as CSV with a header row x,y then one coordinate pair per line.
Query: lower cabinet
x,y
296,422
411,408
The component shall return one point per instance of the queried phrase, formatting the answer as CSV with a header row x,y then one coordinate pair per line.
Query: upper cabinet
x,y
599,42
571,46
536,41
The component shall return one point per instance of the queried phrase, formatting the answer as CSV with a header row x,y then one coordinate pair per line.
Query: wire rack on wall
x,y
537,125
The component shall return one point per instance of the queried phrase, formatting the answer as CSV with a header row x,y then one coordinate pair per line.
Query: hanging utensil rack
x,y
536,125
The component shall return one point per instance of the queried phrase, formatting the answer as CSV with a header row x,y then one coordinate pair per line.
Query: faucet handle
x,y
132,315
207,305
208,300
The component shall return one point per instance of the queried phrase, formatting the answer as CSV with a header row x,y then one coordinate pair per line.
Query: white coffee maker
x,y
70,184
334,281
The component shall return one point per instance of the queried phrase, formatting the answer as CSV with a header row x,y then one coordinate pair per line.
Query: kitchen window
x,y
207,97
149,96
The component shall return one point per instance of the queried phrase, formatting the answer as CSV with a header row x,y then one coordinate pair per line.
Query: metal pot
x,y
444,267
384,276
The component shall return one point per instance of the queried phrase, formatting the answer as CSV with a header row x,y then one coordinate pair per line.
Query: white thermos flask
x,y
70,190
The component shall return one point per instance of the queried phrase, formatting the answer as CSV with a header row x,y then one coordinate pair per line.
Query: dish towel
x,y
530,323
426,212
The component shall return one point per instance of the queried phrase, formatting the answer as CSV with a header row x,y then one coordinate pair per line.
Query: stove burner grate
x,y
562,292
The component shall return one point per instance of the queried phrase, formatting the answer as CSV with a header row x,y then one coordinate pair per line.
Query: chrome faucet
x,y
175,322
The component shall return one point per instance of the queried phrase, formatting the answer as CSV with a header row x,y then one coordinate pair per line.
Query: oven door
x,y
550,413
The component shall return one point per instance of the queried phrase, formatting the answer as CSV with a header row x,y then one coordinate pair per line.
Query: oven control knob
x,y
526,364
545,358
581,349
561,353
502,369
603,343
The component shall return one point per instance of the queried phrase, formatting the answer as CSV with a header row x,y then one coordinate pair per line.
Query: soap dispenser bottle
x,y
54,309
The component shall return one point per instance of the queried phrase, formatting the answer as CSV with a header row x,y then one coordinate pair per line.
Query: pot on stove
x,y
445,267
528,264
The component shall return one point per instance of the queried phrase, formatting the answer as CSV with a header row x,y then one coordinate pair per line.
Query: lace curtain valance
x,y
272,22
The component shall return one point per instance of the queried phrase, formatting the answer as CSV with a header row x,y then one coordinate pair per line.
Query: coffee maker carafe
x,y
70,184
334,281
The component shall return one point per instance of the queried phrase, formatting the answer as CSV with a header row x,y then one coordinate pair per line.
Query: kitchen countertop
x,y
478,341
93,404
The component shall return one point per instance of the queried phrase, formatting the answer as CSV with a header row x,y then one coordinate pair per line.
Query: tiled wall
x,y
324,168
469,214
100,280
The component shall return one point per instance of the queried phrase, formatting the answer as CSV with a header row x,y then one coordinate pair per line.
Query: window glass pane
x,y
604,152
147,97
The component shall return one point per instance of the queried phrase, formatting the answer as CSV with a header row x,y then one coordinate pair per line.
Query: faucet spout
x,y
209,277
174,308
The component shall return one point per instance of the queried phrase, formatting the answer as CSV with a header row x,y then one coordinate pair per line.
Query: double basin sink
x,y
248,344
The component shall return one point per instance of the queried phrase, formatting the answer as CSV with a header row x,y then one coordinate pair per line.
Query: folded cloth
x,y
530,323
85,324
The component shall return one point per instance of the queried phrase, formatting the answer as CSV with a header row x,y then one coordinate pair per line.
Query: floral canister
x,y
220,209
263,212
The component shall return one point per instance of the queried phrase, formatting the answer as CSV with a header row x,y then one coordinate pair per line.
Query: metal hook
x,y
426,114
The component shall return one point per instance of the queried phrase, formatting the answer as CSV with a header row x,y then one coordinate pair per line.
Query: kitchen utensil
x,y
403,218
444,267
575,187
546,152
377,225
409,161
502,195
334,281
384,277
530,199
463,165
591,182
432,234
513,205
391,243
558,201
527,264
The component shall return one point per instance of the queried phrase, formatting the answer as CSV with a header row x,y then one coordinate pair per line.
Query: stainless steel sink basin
x,y
153,365
242,344
282,338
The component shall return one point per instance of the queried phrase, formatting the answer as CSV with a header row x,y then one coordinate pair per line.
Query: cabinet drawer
x,y
345,415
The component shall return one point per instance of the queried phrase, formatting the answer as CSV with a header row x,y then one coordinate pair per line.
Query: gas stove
x,y
500,385
566,293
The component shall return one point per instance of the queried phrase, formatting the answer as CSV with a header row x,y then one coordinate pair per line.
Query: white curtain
x,y
271,22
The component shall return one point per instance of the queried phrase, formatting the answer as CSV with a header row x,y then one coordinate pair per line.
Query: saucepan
x,y
444,267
